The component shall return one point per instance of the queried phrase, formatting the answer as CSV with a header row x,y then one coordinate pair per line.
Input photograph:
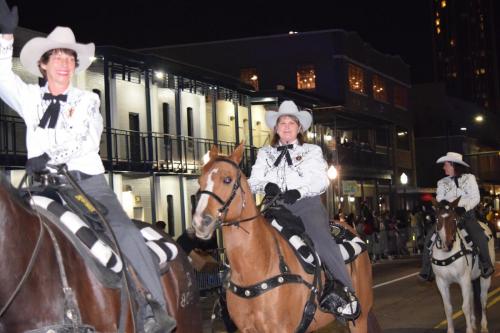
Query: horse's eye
x,y
227,180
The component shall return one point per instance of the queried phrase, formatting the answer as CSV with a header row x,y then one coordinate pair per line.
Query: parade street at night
x,y
254,167
403,304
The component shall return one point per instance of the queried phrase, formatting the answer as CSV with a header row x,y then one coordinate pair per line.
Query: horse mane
x,y
12,192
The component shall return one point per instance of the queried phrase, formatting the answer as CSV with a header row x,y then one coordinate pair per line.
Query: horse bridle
x,y
225,204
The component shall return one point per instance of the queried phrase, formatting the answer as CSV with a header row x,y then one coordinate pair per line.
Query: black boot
x,y
338,300
157,320
487,268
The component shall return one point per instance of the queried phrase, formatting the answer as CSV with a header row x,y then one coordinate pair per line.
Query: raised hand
x,y
8,18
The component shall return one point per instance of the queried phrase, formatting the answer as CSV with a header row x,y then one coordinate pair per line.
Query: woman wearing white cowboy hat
x,y
64,125
299,171
459,183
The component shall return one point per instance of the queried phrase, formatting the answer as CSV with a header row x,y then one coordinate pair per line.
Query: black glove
x,y
37,164
272,190
8,18
290,196
460,211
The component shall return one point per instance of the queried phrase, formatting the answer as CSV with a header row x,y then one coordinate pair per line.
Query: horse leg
x,y
448,310
485,285
467,303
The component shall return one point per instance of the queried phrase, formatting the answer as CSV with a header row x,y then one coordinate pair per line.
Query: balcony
x,y
129,150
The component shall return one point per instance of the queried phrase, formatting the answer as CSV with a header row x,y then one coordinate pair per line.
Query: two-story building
x,y
359,98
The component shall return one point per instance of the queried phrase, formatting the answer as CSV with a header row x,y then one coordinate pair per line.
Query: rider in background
x,y
299,171
459,184
64,125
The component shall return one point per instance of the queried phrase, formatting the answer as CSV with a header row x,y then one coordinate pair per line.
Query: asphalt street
x,y
402,303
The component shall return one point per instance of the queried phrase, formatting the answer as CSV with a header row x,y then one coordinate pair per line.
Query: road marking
x,y
395,280
460,313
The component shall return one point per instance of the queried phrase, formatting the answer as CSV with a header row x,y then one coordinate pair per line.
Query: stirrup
x,y
160,321
338,300
487,271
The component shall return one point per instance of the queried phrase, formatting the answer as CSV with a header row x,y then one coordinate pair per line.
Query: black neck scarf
x,y
52,113
284,152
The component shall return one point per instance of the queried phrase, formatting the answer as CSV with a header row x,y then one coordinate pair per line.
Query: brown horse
x,y
31,276
253,249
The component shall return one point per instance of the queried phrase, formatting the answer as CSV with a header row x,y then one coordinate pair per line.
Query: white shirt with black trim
x,y
467,190
307,174
75,140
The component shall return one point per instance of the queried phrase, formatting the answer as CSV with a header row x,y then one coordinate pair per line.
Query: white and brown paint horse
x,y
452,264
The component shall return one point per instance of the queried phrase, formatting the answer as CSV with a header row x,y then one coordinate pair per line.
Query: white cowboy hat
x,y
59,38
288,108
452,157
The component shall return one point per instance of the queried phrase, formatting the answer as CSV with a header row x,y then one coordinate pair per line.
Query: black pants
x,y
478,237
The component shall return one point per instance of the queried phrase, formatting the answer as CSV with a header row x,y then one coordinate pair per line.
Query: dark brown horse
x,y
252,249
39,302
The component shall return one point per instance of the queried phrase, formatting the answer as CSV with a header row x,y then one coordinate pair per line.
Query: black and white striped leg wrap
x,y
99,249
161,247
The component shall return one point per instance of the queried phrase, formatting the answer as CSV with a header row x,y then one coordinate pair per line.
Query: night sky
x,y
394,27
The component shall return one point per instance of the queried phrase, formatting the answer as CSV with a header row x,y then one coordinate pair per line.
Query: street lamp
x,y
404,181
332,175
479,118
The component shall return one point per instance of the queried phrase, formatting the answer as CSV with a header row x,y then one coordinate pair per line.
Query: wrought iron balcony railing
x,y
130,150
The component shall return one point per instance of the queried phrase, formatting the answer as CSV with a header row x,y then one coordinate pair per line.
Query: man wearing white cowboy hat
x,y
299,171
458,183
64,125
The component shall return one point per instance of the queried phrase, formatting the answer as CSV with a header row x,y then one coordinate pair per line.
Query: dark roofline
x,y
155,62
315,32
242,39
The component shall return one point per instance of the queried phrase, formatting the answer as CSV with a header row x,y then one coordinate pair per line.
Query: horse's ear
x,y
214,152
237,154
455,202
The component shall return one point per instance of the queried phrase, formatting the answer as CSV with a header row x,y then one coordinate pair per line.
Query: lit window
x,y
400,97
306,78
452,42
438,30
483,71
356,79
379,89
250,76
438,21
443,3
